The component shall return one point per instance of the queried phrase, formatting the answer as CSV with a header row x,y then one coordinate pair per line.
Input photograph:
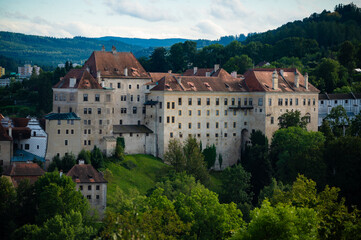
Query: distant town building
x,y
351,102
27,70
18,172
6,81
2,71
74,65
91,184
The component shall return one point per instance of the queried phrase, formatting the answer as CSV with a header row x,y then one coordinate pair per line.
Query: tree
x,y
239,64
338,120
67,162
236,185
294,150
84,155
56,195
195,164
343,159
335,219
71,226
174,155
210,155
292,119
256,162
158,60
7,208
327,131
355,127
119,149
280,222
97,158
209,218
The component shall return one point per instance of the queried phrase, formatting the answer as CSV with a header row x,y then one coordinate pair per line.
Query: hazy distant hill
x,y
52,51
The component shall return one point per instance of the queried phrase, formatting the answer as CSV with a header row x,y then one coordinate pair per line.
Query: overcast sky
x,y
209,19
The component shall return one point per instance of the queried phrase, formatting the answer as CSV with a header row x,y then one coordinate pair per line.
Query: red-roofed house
x,y
91,184
20,171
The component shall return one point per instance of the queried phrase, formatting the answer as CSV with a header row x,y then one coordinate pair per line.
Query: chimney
x,y
88,69
208,74
169,71
179,80
72,82
10,129
98,76
275,80
234,74
103,48
297,79
216,67
114,50
195,69
126,72
281,72
81,162
306,81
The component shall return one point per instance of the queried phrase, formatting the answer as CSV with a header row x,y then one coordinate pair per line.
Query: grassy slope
x,y
142,177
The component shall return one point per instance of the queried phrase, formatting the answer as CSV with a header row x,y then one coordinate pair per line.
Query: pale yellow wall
x,y
56,142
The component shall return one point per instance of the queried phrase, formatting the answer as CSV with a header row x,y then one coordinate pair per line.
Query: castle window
x,y
134,110
160,119
189,125
199,101
190,112
233,101
208,101
179,101
225,112
199,125
131,98
168,118
314,102
66,143
291,101
85,97
97,97
272,120
226,101
59,122
296,101
173,105
180,125
250,101
173,119
89,111
138,98
137,86
171,134
260,101
99,111
180,112
217,124
225,125
207,124
286,101
217,101
234,124
118,84
130,86
27,146
280,102
168,105
199,112
217,112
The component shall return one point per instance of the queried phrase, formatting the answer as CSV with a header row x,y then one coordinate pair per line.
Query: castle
x,y
113,96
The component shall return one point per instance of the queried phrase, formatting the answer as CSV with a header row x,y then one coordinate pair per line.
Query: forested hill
x,y
327,28
50,51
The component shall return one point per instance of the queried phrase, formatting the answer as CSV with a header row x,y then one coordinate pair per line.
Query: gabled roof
x,y
84,80
224,82
85,173
113,64
131,129
62,116
24,169
260,80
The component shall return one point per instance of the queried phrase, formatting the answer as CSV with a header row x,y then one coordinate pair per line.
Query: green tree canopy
x,y
292,119
294,151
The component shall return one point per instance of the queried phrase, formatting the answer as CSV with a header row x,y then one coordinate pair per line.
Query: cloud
x,y
209,28
229,9
138,9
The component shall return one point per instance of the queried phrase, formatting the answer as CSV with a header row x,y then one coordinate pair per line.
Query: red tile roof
x,y
18,172
84,80
85,173
113,64
260,80
24,169
225,83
